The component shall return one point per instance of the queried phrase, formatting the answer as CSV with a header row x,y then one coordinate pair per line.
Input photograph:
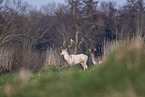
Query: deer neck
x,y
99,59
66,56
93,58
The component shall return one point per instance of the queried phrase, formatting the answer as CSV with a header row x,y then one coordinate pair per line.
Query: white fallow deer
x,y
95,59
74,59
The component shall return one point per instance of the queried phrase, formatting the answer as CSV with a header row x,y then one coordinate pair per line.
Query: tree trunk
x,y
76,40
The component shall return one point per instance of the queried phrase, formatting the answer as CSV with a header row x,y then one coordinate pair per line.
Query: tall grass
x,y
14,58
53,57
6,59
110,46
32,60
54,61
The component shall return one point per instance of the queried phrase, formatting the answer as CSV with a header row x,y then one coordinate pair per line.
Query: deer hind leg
x,y
83,65
86,66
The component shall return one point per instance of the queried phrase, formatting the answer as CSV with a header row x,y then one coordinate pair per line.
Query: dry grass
x,y
13,59
6,58
110,46
53,60
32,60
52,57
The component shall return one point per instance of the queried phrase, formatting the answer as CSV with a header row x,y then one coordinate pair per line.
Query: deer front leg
x,y
83,66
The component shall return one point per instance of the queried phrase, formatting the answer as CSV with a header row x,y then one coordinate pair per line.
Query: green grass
x,y
121,75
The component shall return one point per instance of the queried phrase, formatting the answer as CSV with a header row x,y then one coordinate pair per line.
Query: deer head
x,y
63,52
92,50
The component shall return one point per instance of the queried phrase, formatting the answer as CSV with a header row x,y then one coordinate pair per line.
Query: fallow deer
x,y
95,59
74,59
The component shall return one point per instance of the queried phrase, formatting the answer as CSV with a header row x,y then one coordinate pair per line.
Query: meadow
x,y
120,75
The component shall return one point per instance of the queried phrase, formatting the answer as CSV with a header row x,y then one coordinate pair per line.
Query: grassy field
x,y
121,75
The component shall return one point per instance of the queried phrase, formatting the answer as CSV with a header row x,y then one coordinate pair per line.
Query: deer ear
x,y
90,50
94,49
72,41
66,49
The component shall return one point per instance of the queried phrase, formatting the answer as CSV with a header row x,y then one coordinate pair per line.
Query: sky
x,y
39,3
